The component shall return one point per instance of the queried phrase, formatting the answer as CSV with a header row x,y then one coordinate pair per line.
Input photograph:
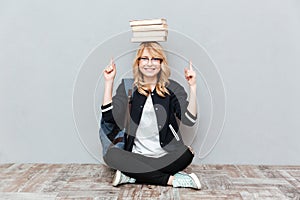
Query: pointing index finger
x,y
111,61
191,65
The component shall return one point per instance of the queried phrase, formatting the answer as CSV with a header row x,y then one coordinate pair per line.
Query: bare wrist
x,y
109,82
193,87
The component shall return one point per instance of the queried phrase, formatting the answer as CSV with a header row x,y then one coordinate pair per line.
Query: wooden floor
x,y
91,181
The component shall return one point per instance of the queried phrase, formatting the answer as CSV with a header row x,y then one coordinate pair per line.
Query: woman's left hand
x,y
190,75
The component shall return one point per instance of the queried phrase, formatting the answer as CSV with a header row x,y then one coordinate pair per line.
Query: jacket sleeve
x,y
179,104
115,112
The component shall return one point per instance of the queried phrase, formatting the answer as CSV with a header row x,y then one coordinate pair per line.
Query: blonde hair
x,y
156,50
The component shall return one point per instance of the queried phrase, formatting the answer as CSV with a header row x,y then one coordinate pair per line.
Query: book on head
x,y
147,22
149,33
149,30
155,27
149,39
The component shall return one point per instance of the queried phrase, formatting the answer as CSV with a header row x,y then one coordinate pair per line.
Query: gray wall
x,y
246,54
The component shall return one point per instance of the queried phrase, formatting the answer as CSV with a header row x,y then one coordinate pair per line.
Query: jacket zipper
x,y
174,132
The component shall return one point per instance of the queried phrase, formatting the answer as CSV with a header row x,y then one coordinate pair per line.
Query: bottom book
x,y
149,39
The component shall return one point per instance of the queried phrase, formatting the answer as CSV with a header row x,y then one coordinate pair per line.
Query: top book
x,y
147,22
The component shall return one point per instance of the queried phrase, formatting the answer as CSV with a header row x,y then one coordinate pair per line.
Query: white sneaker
x,y
182,179
121,178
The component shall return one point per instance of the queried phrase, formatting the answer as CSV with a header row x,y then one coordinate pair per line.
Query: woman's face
x,y
149,66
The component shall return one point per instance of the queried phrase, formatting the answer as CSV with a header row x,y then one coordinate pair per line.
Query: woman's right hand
x,y
110,71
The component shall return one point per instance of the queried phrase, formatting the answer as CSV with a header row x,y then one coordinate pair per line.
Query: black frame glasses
x,y
154,61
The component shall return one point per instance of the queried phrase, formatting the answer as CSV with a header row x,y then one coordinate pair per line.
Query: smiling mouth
x,y
150,68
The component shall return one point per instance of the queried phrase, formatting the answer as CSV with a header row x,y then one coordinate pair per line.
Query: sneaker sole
x,y
116,179
195,178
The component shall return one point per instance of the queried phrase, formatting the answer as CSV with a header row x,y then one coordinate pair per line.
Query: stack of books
x,y
149,30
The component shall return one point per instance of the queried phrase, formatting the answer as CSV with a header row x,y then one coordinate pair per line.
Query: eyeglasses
x,y
154,61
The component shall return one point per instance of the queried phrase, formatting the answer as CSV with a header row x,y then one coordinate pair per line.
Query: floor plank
x,y
93,181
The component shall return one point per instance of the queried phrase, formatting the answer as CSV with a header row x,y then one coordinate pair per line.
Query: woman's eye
x,y
155,59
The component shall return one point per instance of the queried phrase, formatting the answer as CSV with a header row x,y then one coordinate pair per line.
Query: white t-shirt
x,y
147,135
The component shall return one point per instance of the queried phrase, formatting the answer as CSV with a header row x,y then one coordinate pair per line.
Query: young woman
x,y
154,150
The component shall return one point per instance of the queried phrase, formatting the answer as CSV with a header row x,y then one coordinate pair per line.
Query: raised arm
x,y
113,108
190,76
109,74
